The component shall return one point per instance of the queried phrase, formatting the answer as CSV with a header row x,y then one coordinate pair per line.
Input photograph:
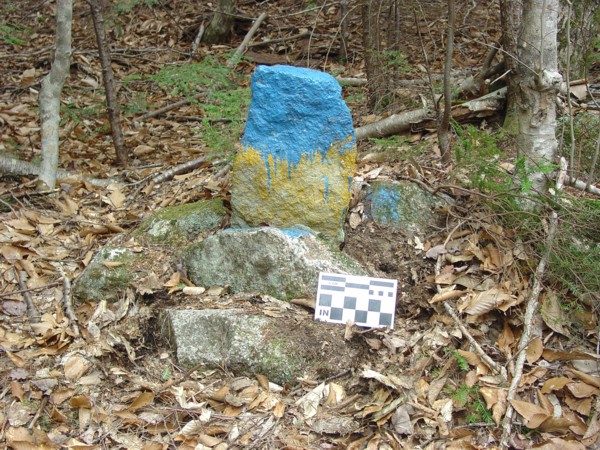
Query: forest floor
x,y
420,385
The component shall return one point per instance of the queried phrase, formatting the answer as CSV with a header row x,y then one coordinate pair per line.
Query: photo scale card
x,y
366,301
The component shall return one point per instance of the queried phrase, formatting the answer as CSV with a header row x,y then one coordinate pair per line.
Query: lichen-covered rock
x,y
282,263
182,223
250,344
403,205
108,275
298,155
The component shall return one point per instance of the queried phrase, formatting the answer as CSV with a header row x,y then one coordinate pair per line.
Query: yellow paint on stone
x,y
314,193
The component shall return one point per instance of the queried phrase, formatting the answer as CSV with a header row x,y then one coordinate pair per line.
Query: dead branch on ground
x,y
19,167
278,40
244,45
476,347
478,108
167,108
530,310
68,302
32,311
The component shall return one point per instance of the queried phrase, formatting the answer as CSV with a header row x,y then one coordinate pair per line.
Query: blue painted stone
x,y
402,205
296,111
298,155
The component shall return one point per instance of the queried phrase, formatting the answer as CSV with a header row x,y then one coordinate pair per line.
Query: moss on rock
x,y
182,223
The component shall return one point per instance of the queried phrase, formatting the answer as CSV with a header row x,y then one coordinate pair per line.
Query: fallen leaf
x,y
534,350
533,415
555,384
582,390
553,314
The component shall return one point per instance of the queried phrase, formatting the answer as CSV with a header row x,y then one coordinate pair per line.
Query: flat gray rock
x,y
248,344
282,263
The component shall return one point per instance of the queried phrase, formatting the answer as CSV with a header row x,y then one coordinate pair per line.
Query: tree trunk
x,y
583,27
510,19
377,87
539,81
220,28
50,95
114,112
444,120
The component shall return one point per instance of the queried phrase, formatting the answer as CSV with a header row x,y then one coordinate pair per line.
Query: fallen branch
x,y
244,45
32,311
530,310
181,168
532,306
196,43
68,302
582,185
394,124
351,81
167,108
477,108
278,40
476,347
14,166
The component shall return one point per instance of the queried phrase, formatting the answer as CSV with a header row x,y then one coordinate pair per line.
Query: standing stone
x,y
298,154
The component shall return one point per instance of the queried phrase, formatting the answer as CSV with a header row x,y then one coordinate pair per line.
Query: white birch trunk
x,y
50,95
539,82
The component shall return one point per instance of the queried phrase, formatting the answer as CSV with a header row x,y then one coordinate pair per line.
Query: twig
x,y
588,185
43,404
244,45
427,65
476,347
278,40
68,302
32,311
352,81
181,168
164,109
530,310
21,291
172,382
582,185
196,43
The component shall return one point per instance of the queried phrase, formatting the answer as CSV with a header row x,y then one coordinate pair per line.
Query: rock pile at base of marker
x,y
298,155
282,263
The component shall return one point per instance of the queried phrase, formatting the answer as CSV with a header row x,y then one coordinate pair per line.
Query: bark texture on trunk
x,y
50,92
539,82
220,27
114,111
444,120
510,20
377,87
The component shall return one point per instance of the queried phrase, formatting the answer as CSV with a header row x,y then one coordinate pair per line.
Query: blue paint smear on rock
x,y
384,204
296,112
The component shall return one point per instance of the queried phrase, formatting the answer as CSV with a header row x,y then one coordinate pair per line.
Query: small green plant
x,y
463,364
185,79
167,374
11,34
224,104
394,60
575,258
138,104
585,127
77,114
470,399
126,6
